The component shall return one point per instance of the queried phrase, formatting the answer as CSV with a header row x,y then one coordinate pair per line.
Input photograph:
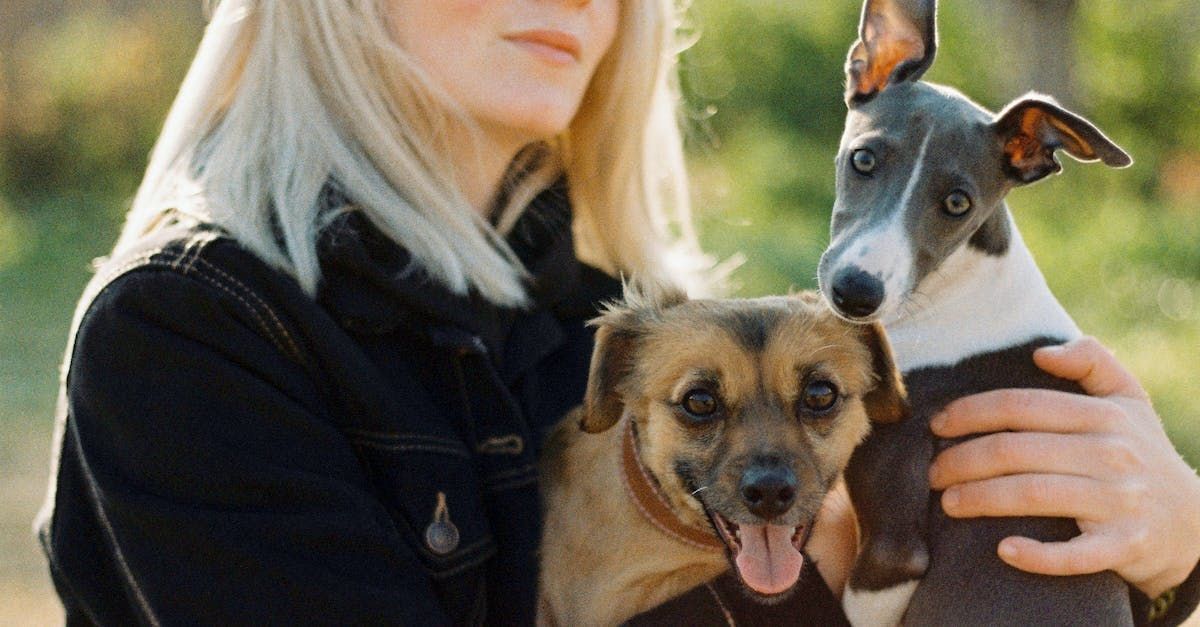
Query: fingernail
x,y
1007,549
950,500
1051,350
938,423
934,475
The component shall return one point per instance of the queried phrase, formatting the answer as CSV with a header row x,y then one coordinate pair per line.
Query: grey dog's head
x,y
922,171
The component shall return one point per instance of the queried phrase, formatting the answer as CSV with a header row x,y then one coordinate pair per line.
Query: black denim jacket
x,y
231,452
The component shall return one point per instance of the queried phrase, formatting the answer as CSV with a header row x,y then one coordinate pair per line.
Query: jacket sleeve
x,y
1174,607
222,493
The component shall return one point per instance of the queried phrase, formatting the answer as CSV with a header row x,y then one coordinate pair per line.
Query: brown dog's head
x,y
747,411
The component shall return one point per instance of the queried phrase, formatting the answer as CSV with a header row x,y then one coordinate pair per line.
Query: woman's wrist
x,y
1189,559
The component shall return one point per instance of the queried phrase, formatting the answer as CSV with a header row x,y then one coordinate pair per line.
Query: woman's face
x,y
518,67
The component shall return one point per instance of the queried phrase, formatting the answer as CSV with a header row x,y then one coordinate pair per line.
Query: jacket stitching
x,y
139,595
262,323
418,448
384,435
261,303
174,261
213,282
195,246
502,445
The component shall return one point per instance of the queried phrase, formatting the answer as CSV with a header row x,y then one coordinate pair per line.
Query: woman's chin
x,y
533,119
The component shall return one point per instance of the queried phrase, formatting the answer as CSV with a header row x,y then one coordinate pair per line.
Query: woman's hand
x,y
1102,459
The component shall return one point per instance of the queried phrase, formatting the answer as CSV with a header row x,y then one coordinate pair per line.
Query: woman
x,y
312,380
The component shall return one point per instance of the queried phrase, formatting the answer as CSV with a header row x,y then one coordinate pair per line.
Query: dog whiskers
x,y
699,490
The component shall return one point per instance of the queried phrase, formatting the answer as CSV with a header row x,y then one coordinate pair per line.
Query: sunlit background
x,y
84,86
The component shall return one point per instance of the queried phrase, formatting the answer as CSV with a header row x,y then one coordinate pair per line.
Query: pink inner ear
x,y
1072,142
888,41
1027,147
1023,151
885,57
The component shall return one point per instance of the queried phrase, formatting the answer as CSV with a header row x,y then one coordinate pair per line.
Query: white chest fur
x,y
974,304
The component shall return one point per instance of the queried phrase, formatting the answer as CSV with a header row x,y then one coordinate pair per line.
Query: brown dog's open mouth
x,y
767,558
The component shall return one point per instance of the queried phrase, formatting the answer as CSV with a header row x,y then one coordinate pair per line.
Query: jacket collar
x,y
371,284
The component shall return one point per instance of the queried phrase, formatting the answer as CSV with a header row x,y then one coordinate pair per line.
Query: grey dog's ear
x,y
618,334
888,401
1031,128
897,40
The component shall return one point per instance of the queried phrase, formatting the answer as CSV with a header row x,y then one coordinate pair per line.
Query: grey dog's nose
x,y
856,293
768,490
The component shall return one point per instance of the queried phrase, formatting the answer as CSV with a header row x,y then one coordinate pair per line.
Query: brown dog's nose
x,y
768,489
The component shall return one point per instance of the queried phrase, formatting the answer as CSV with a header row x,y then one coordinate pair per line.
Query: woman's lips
x,y
558,47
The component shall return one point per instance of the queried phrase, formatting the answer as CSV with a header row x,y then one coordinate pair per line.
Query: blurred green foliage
x,y
85,97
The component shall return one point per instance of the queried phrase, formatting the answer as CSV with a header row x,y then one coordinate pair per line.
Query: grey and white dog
x,y
922,239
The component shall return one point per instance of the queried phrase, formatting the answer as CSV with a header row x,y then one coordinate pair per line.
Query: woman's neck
x,y
487,155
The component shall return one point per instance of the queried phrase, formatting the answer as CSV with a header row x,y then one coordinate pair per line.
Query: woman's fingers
x,y
1063,496
1025,410
1013,453
1084,554
1103,460
1093,366
1084,361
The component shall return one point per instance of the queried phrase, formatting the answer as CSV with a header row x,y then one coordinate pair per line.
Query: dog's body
x,y
603,561
923,241
736,418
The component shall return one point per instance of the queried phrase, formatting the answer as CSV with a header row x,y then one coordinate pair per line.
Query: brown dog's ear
x,y
897,40
618,332
1030,129
887,401
612,361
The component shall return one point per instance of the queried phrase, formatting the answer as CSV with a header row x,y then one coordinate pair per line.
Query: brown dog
x,y
736,418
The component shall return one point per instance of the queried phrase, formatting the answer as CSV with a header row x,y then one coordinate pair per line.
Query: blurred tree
x,y
1038,50
86,94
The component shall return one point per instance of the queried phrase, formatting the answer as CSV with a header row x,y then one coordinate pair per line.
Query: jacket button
x,y
441,536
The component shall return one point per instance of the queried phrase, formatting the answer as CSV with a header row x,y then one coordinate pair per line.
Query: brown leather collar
x,y
648,498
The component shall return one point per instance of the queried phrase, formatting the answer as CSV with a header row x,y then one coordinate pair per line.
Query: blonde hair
x,y
286,96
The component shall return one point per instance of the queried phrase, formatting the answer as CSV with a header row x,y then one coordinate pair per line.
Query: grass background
x,y
84,87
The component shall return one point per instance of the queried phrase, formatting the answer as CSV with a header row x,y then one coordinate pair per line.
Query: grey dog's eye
x,y
863,160
699,403
957,203
819,396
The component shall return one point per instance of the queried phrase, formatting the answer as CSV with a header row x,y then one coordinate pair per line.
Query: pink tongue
x,y
768,562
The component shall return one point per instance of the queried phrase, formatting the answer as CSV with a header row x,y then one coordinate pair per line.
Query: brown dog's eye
x,y
819,396
699,403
